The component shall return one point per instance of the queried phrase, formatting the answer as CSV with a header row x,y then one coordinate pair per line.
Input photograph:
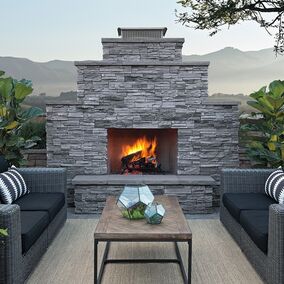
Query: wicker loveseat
x,y
32,222
254,220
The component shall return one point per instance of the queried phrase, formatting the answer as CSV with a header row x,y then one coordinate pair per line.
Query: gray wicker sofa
x,y
255,222
32,223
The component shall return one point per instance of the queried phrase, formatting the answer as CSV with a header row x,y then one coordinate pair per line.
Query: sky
x,y
43,30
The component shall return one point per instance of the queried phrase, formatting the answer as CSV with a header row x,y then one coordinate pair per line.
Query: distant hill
x,y
51,77
231,71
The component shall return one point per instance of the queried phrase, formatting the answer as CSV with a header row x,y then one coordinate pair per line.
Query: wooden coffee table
x,y
112,227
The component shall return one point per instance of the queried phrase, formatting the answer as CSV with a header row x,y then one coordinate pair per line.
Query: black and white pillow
x,y
274,186
12,186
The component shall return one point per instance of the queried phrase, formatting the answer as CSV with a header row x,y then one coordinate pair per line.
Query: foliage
x,y
3,232
265,130
35,129
135,213
42,99
13,117
211,15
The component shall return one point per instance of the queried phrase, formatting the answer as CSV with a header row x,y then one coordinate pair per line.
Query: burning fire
x,y
142,148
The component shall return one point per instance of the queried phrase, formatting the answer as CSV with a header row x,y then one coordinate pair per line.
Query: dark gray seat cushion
x,y
37,201
33,223
236,202
255,223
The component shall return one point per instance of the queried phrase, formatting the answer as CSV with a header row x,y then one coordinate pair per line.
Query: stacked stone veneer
x,y
142,91
197,198
166,49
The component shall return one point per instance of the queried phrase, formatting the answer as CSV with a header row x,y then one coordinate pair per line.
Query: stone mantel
x,y
143,179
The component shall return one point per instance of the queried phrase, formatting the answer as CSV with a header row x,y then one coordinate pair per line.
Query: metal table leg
x,y
189,261
95,261
98,276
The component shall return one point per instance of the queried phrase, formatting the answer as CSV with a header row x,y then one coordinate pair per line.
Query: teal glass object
x,y
154,213
133,201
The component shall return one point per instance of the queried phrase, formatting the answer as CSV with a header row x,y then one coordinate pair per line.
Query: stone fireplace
x,y
143,116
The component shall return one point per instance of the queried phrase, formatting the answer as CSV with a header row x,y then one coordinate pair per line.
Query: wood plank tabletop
x,y
113,226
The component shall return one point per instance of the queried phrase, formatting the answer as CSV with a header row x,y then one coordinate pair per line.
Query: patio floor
x,y
216,258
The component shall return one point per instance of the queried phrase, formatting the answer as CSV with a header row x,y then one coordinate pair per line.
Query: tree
x,y
211,15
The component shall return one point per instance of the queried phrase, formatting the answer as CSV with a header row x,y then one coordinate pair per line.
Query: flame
x,y
143,147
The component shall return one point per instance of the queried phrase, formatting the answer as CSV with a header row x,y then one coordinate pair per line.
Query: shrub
x,y
35,129
13,117
265,128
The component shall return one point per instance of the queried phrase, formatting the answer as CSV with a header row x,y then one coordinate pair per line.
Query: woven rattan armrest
x,y
10,246
276,243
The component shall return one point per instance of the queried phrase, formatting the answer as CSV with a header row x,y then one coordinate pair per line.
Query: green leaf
x,y
13,141
277,103
266,104
22,91
277,88
31,112
259,107
6,86
12,125
2,73
4,232
258,94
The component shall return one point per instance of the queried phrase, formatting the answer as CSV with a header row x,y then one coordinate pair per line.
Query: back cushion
x,y
12,186
274,186
3,164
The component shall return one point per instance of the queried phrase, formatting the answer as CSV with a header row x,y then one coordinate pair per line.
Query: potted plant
x,y
265,127
13,116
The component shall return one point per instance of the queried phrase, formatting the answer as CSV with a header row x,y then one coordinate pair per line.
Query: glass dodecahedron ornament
x,y
133,201
154,213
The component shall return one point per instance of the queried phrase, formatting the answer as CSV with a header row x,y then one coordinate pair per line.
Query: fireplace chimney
x,y
142,45
142,32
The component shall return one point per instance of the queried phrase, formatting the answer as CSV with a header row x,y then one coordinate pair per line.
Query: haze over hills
x,y
51,77
231,71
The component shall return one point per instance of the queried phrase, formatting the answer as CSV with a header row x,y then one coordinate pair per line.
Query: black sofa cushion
x,y
236,202
33,223
255,223
38,201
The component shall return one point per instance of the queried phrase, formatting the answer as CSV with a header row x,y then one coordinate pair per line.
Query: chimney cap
x,y
140,32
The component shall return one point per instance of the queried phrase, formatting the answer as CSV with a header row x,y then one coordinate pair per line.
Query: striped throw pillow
x,y
274,186
12,186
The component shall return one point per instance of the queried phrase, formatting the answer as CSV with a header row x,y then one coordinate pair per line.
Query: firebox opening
x,y
142,151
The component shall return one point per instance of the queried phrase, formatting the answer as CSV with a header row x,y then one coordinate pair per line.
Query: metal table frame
x,y
98,277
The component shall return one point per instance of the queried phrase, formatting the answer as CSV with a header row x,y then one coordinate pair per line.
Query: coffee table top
x,y
113,227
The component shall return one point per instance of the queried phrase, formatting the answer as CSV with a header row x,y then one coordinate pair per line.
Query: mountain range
x,y
231,71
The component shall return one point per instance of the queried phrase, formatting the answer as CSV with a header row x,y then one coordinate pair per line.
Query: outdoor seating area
x,y
143,181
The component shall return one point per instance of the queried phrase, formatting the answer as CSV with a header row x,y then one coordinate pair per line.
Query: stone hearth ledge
x,y
143,179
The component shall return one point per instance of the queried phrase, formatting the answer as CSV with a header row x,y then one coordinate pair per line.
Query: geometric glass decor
x,y
154,213
133,201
